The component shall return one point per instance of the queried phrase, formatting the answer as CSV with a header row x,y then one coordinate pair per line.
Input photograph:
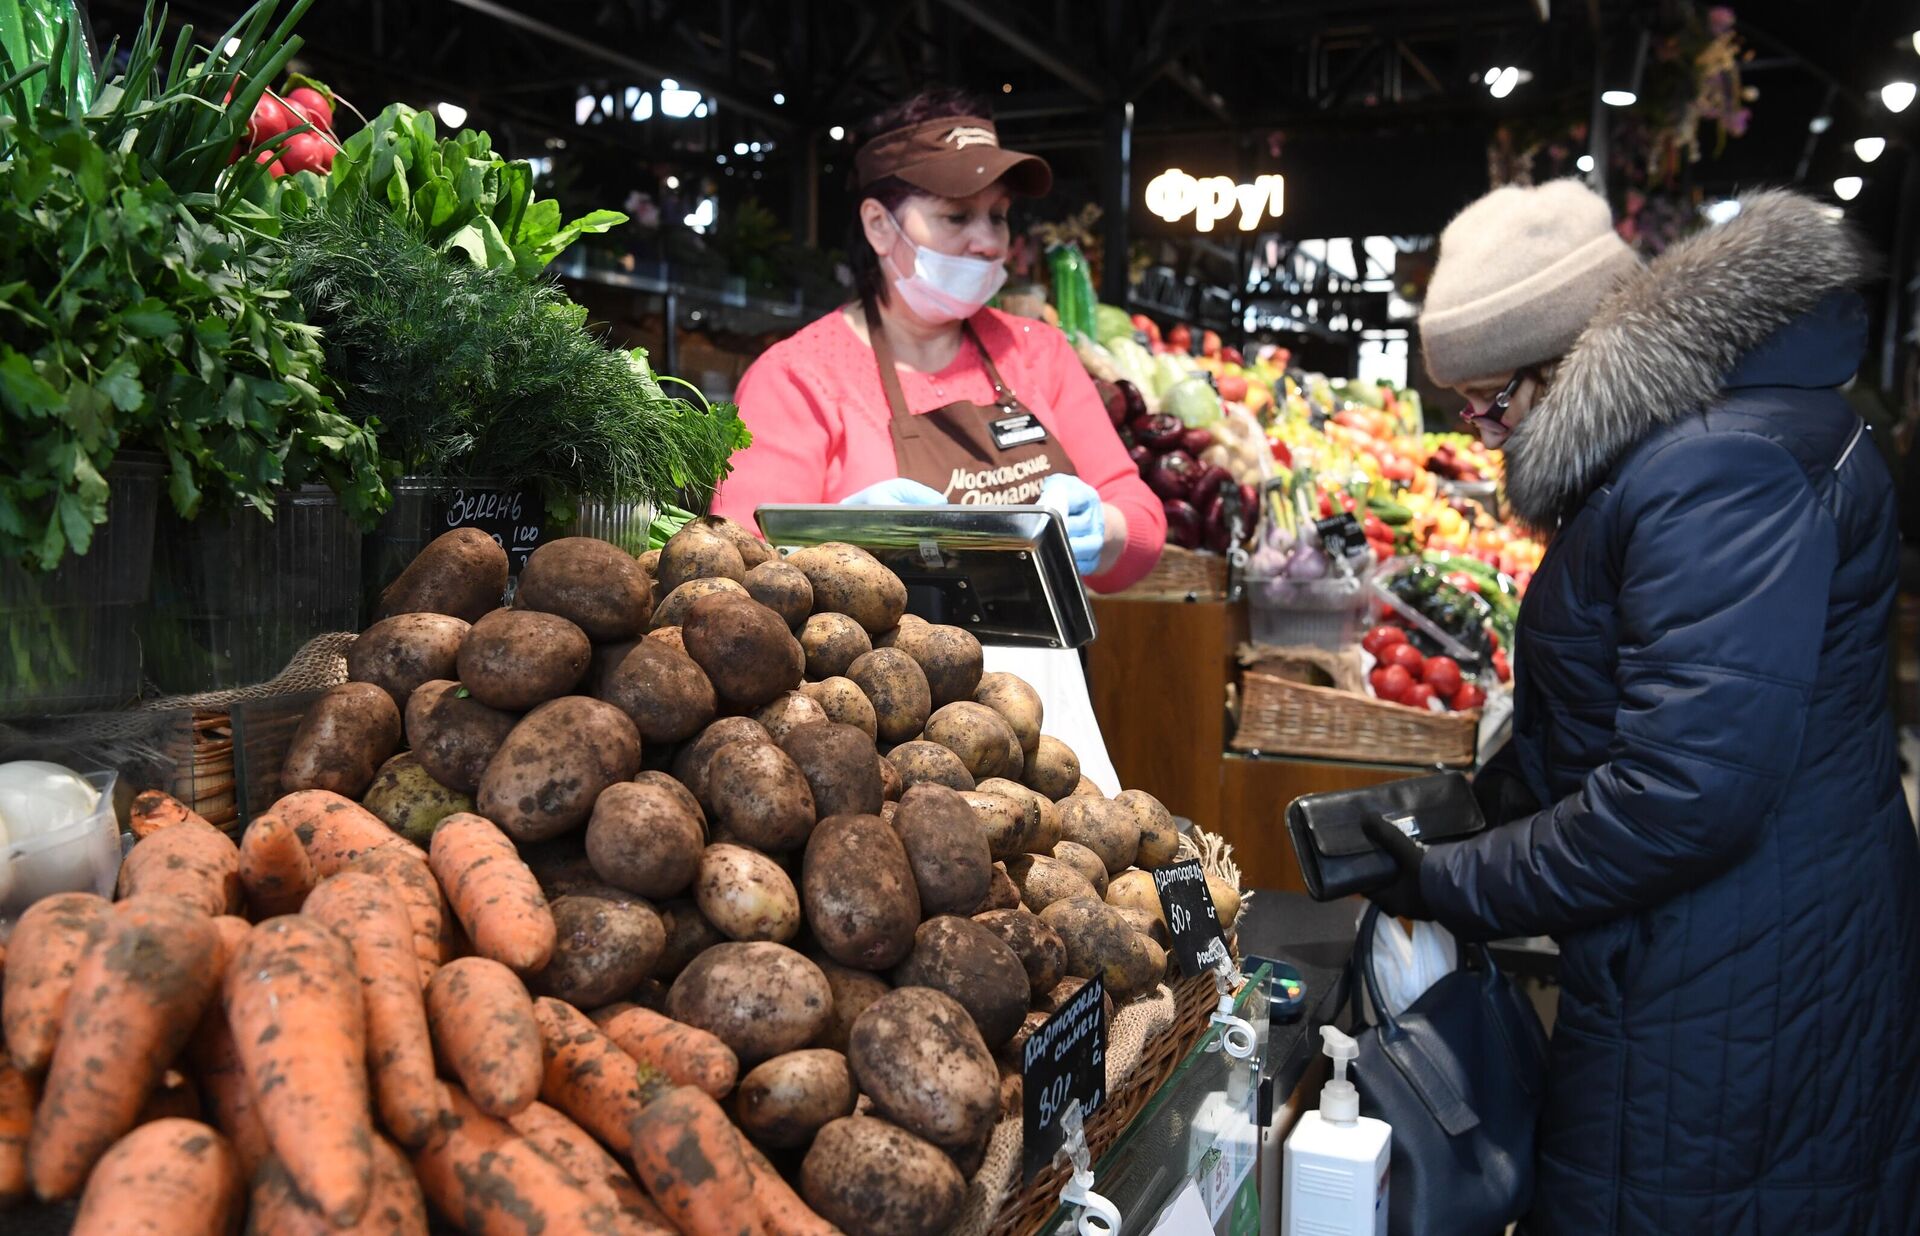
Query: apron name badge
x,y
1017,430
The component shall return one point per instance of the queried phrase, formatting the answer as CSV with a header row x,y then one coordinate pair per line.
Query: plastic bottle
x,y
1336,1160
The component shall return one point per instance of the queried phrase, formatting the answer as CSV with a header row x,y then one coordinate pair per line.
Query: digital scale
x,y
1004,573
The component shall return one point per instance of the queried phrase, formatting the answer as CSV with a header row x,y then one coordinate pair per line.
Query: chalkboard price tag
x,y
1191,919
512,517
1341,535
1065,1059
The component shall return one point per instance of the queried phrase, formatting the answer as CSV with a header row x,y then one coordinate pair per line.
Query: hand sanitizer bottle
x,y
1336,1160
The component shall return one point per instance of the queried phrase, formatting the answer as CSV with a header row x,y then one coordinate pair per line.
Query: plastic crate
x,y
69,638
1321,613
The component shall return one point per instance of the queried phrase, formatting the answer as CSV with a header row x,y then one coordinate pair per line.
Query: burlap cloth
x,y
1134,1025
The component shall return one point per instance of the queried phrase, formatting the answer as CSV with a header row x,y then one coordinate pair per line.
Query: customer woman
x,y
919,394
1713,825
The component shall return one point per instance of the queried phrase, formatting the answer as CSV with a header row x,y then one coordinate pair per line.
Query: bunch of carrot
x,y
294,1030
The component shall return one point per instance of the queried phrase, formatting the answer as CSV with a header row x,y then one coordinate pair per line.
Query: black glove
x,y
1402,898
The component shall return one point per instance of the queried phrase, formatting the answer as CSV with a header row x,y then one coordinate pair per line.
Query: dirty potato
x,y
1159,835
782,1102
1052,768
544,779
838,763
666,695
745,649
514,659
400,653
345,736
949,656
760,797
782,588
981,738
842,700
951,860
789,712
928,763
454,735
602,950
746,895
409,801
1016,701
462,573
893,681
645,838
595,586
850,581
697,551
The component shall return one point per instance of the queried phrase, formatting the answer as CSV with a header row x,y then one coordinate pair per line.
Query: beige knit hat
x,y
1521,271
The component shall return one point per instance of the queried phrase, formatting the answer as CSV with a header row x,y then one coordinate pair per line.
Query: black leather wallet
x,y
1338,859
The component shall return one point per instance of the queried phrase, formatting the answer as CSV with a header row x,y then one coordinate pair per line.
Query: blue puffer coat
x,y
1727,861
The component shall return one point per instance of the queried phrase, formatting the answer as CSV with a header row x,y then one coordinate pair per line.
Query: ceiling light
x,y
1819,125
1916,40
1503,85
739,148
675,103
779,100
836,133
1869,148
1619,98
1898,96
1848,187
1584,163
700,111
452,113
1721,211
673,182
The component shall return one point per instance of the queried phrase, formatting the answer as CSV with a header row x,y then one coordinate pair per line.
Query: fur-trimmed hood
x,y
1660,345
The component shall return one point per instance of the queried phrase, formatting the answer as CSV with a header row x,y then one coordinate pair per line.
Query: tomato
x,y
1382,637
1469,696
1501,668
1391,683
1419,695
1442,674
1407,657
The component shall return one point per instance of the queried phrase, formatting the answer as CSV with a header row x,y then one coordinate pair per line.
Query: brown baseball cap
x,y
954,156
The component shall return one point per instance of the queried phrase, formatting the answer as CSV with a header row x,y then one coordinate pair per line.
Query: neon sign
x,y
1173,195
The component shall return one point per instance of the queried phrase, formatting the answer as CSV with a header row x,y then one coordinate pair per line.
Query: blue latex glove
x,y
1086,518
898,491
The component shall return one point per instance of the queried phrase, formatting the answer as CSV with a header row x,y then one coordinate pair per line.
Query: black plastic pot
x,y
68,637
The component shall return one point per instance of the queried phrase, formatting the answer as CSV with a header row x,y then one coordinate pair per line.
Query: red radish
x,y
313,105
1407,657
1419,695
1391,682
271,158
1443,675
1469,696
270,119
1383,637
308,152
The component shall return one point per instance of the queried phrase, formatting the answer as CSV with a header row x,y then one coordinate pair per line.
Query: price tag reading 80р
x,y
1191,919
1065,1059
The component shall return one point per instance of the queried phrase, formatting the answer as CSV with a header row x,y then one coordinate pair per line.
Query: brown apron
x,y
973,455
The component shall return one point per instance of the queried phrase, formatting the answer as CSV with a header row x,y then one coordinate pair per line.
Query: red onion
x,y
1161,432
1183,524
1171,474
1196,441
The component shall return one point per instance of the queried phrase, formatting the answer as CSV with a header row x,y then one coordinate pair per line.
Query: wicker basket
x,y
1183,575
1194,1001
1281,717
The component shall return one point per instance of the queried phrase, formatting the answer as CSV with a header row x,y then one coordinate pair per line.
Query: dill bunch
x,y
466,371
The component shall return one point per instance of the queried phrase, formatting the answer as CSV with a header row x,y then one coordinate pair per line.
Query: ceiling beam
x,y
1203,94
976,12
726,93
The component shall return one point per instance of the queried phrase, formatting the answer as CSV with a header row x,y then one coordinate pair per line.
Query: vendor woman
x,y
919,394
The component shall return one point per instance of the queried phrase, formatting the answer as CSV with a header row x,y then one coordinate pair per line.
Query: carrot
x,y
173,1097
154,810
45,950
16,1121
200,866
493,893
584,1159
687,1054
171,1177
587,1075
490,1181
223,1082
397,1207
782,1210
366,912
336,830
274,867
688,1156
294,1006
405,867
483,1027
136,996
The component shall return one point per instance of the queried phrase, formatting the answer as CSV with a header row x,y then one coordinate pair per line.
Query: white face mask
x,y
945,288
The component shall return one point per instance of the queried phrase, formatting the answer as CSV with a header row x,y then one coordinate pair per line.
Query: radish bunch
x,y
308,151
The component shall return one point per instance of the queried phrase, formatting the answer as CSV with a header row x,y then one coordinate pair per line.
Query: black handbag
x,y
1459,1075
1337,858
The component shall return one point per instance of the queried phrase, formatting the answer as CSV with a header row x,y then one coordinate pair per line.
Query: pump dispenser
x,y
1336,1160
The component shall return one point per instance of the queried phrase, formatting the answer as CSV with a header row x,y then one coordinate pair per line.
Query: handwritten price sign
x,y
512,517
1191,919
1065,1059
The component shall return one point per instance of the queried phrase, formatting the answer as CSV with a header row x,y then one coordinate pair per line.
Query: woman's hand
x,y
1403,898
1079,504
895,491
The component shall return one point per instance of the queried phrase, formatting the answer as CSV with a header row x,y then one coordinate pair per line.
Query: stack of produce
x,y
640,927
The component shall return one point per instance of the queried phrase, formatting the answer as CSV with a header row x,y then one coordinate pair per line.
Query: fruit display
x,y
703,892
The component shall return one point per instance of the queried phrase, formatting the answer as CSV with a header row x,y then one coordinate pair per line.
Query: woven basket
x,y
205,780
1281,717
1194,1001
1184,575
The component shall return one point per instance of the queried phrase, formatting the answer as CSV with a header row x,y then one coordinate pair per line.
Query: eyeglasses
x,y
1497,409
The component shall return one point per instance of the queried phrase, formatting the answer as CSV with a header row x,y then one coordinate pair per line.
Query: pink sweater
x,y
821,426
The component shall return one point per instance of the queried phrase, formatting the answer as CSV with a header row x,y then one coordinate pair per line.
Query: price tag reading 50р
x,y
1065,1059
1191,919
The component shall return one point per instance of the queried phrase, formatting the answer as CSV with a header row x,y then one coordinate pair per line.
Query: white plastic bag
x,y
1056,676
1406,965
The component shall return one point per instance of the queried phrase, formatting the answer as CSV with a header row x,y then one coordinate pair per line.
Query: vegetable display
x,y
592,1012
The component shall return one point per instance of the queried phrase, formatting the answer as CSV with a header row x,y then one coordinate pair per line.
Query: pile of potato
x,y
762,799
